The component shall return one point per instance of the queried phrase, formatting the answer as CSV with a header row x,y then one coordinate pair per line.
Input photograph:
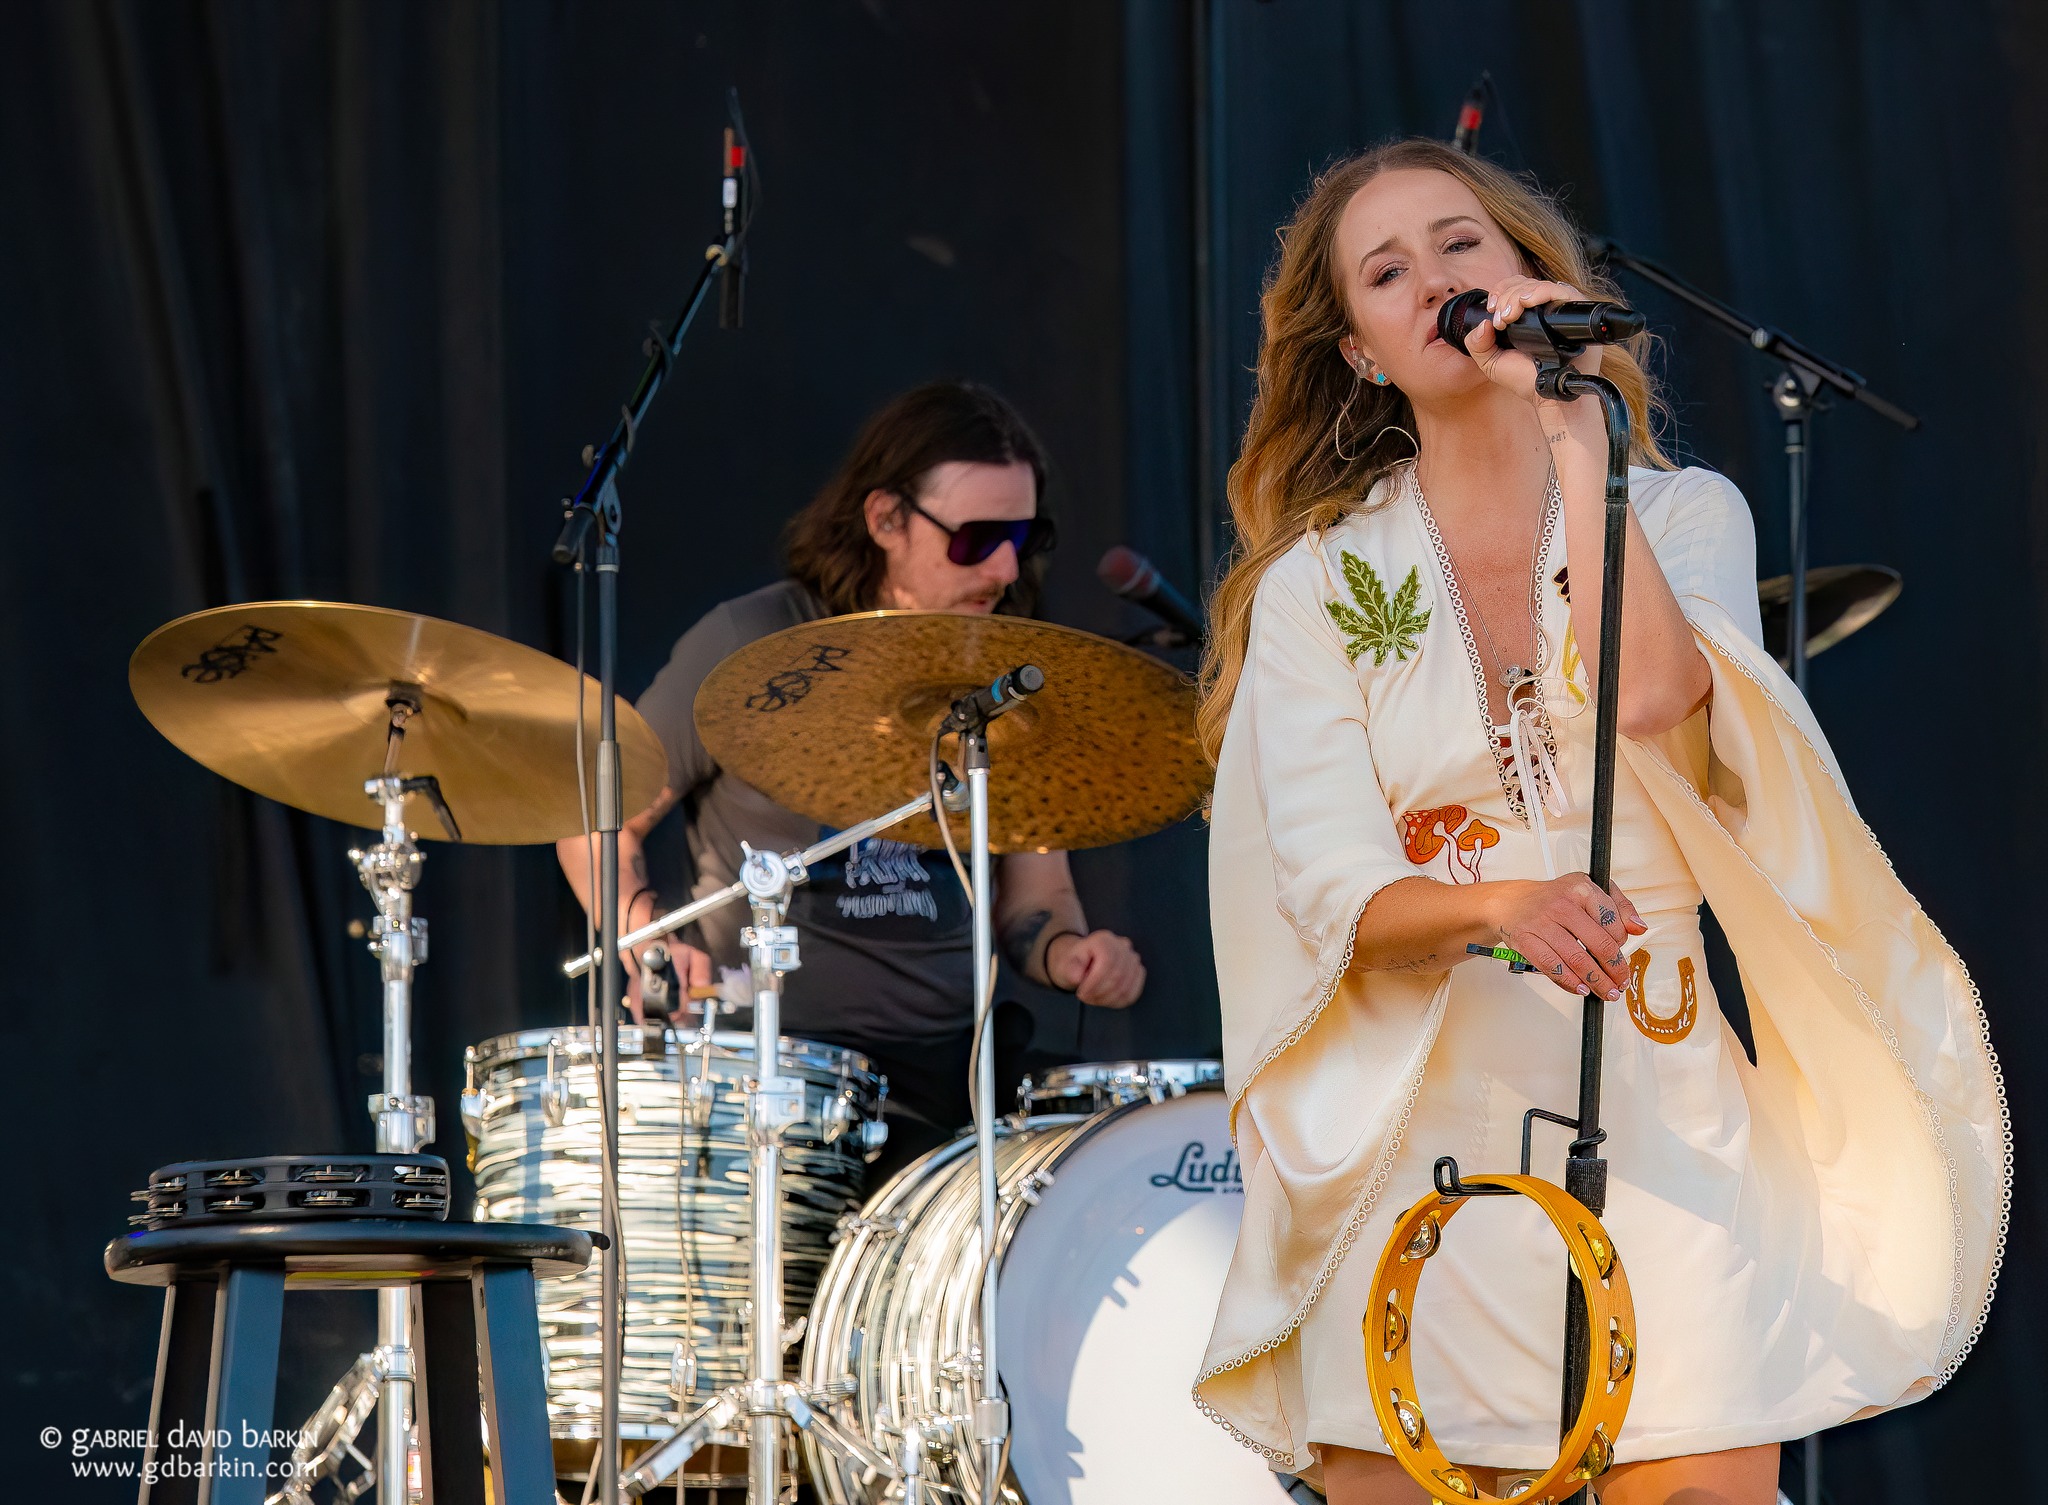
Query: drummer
x,y
936,508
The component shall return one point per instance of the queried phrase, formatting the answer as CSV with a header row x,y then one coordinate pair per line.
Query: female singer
x,y
1396,696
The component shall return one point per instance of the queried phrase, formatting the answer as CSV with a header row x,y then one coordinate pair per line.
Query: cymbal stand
x,y
390,870
774,1102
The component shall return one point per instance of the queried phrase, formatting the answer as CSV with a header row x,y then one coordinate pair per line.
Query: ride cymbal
x,y
834,719
291,699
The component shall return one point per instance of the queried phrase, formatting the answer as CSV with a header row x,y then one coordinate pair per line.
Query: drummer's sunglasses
x,y
974,541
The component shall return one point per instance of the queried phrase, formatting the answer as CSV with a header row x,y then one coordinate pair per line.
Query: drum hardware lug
x,y
1159,1086
837,1116
874,1133
554,1094
1027,1191
700,1098
794,1333
682,1370
852,1223
474,1106
960,1367
391,1363
1024,1090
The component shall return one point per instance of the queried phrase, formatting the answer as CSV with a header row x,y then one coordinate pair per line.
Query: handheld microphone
x,y
1135,578
732,278
1549,331
984,705
1471,115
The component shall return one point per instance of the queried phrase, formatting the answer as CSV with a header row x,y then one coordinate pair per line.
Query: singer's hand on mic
x,y
1102,968
1509,367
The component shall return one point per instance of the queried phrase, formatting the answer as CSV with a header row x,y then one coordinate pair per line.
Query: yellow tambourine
x,y
1611,1323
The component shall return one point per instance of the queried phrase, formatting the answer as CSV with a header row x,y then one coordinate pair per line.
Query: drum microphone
x,y
984,705
1137,579
1548,331
732,278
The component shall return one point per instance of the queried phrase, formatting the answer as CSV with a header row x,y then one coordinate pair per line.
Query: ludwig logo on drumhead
x,y
1196,1171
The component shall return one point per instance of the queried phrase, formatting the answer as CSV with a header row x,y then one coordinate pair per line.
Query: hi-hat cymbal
x,y
834,719
290,699
1840,598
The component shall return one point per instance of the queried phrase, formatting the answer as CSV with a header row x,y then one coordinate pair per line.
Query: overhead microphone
x,y
1137,579
979,707
732,278
1551,331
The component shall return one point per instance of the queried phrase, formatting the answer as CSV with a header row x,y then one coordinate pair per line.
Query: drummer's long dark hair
x,y
827,544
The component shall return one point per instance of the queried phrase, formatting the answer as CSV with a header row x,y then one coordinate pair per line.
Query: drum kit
x,y
1016,1316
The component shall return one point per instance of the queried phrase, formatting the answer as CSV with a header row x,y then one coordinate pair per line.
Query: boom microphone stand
x,y
1798,393
1585,1171
590,540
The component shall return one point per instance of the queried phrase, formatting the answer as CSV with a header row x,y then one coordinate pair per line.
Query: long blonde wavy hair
x,y
1289,478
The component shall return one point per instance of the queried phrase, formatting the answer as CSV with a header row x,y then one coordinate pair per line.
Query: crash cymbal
x,y
1840,598
289,698
834,719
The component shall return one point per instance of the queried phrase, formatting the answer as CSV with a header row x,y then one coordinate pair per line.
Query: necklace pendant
x,y
1515,676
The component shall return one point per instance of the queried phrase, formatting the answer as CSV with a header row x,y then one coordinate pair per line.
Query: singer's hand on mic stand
x,y
1512,368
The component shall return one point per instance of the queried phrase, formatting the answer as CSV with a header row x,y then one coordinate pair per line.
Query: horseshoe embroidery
x,y
1666,1029
1445,832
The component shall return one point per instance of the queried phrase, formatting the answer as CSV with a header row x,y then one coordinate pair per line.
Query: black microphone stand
x,y
1585,1171
1798,394
590,540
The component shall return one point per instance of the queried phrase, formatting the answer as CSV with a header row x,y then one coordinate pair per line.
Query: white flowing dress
x,y
1808,1239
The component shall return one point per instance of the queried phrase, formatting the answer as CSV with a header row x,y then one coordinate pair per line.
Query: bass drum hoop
x,y
837,1286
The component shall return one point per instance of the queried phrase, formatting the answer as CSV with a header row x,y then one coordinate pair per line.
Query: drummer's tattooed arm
x,y
1020,939
1044,933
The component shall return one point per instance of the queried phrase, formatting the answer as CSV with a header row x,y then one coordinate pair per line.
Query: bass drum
x,y
1115,1232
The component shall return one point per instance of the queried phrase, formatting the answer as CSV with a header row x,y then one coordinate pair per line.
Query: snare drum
x,y
1115,1233
1097,1086
532,1114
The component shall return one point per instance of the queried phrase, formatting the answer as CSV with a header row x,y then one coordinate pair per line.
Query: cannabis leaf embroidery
x,y
1378,624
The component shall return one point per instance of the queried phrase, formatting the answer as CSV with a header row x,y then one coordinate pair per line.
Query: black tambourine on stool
x,y
1597,1305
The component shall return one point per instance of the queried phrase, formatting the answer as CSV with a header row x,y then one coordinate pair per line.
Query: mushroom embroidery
x,y
1445,832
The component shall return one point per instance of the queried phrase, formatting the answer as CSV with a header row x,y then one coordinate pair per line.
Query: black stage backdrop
x,y
322,300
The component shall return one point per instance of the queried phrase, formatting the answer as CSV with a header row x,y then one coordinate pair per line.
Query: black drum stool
x,y
478,1344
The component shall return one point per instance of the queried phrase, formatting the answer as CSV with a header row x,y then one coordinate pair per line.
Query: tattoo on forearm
x,y
1559,437
1020,938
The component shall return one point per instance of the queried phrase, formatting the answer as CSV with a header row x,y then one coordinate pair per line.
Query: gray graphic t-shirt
x,y
884,928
